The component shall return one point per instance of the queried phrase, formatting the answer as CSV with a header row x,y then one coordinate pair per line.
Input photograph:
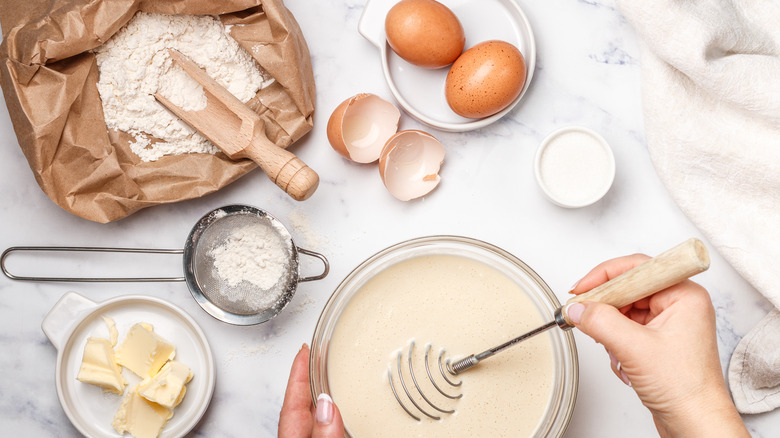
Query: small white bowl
x,y
574,166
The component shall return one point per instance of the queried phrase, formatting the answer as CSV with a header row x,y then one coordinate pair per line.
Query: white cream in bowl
x,y
461,294
454,302
574,166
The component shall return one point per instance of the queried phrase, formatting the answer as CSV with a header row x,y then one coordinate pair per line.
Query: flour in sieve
x,y
254,254
134,65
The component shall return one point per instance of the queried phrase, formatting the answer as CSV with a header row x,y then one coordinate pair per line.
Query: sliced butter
x,y
98,366
167,387
140,417
144,352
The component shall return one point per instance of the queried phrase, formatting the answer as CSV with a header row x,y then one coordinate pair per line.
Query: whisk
x,y
666,269
406,388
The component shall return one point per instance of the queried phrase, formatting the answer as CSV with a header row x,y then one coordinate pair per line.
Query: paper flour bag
x,y
49,75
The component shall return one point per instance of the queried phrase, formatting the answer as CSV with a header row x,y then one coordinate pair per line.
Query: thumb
x,y
606,325
327,419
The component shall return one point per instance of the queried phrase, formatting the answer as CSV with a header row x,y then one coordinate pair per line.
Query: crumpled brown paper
x,y
49,77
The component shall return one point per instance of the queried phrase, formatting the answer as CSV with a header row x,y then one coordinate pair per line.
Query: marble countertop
x,y
587,73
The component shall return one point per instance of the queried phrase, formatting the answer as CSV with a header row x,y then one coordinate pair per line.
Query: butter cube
x,y
140,417
98,366
113,333
144,352
167,387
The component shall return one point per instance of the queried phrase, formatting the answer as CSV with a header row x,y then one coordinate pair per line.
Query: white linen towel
x,y
711,102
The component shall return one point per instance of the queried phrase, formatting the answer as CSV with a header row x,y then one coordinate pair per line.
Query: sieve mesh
x,y
244,297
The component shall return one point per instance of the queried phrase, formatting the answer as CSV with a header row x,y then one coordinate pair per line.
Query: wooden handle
x,y
239,132
283,168
666,269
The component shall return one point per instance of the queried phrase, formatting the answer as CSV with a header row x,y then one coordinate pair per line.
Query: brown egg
x,y
424,33
485,79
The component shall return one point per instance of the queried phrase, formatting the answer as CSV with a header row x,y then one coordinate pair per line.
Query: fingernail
x,y
324,414
612,359
304,346
624,378
574,286
623,375
574,312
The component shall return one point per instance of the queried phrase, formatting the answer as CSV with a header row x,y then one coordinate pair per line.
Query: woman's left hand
x,y
299,418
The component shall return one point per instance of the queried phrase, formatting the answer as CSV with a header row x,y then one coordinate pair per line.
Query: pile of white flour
x,y
134,65
254,254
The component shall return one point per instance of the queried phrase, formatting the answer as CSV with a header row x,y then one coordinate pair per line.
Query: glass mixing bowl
x,y
565,375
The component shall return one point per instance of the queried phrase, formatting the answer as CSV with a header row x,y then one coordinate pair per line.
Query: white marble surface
x,y
587,73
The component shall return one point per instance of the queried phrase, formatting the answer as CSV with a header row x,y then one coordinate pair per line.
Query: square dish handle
x,y
372,20
61,318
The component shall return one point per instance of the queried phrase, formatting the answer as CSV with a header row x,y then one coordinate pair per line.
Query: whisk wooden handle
x,y
666,269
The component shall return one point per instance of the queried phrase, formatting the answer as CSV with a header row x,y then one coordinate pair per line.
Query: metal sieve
x,y
241,303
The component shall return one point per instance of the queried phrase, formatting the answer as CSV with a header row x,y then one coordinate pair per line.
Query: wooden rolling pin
x,y
238,132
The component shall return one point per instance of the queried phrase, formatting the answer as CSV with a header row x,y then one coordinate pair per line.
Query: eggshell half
x,y
410,163
360,126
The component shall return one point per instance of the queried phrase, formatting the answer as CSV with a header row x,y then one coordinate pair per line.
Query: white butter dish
x,y
75,318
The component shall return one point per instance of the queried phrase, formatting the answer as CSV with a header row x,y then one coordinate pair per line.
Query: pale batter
x,y
454,302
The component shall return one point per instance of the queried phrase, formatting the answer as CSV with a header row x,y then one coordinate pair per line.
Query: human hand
x,y
665,347
299,418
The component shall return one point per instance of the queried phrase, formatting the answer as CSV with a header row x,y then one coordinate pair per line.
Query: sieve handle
x,y
326,265
13,249
664,270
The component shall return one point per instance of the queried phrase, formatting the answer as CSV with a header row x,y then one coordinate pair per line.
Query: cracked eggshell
x,y
360,126
410,163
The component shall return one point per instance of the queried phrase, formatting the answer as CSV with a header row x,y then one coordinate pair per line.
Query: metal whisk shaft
x,y
458,367
471,361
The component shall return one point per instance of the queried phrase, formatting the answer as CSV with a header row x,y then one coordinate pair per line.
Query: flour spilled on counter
x,y
245,351
303,226
134,65
303,304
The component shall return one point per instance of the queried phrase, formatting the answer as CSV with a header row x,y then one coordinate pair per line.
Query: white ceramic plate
x,y
91,410
420,91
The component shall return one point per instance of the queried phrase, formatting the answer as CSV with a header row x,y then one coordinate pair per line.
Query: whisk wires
x,y
411,396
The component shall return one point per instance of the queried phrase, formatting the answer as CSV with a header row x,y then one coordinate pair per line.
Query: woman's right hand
x,y
665,347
